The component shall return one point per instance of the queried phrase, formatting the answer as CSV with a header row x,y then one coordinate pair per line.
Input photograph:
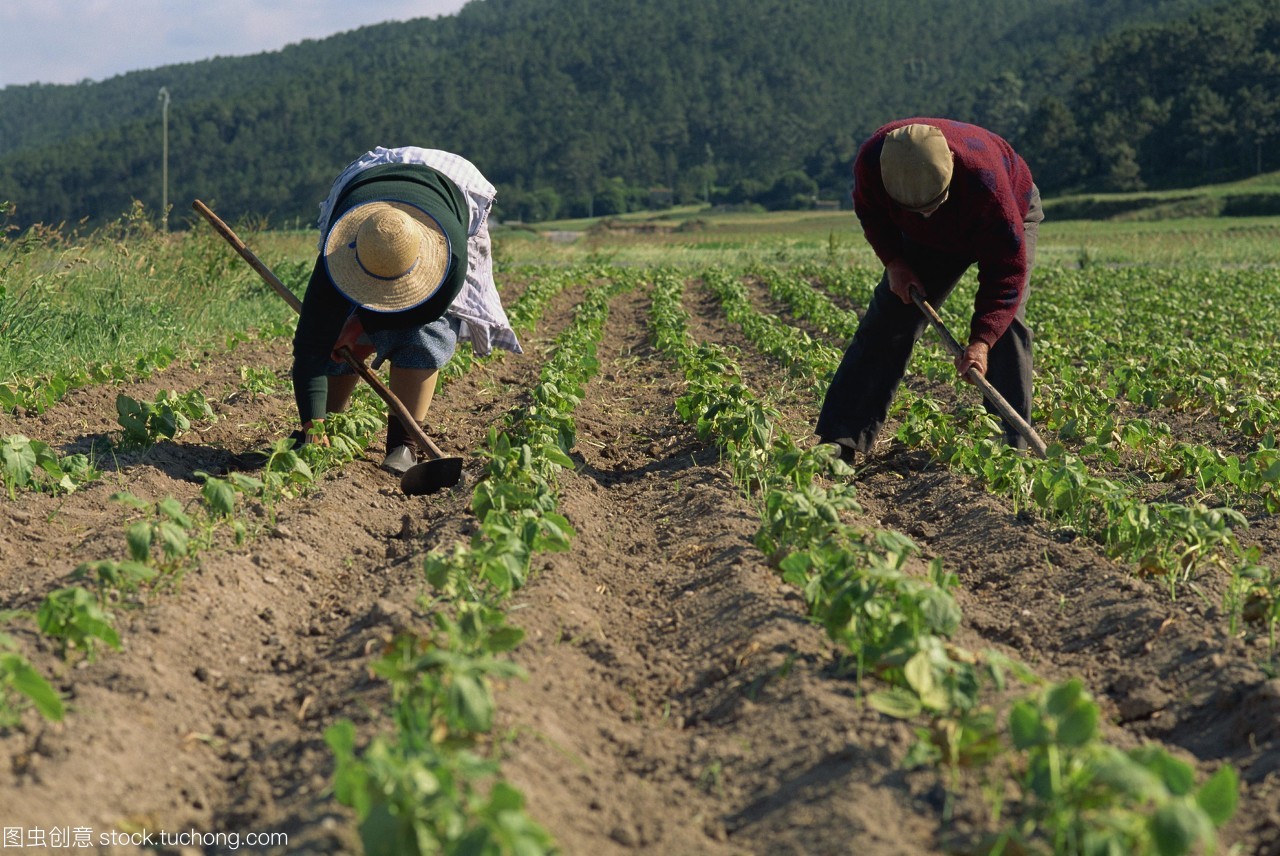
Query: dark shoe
x,y
402,451
843,448
400,460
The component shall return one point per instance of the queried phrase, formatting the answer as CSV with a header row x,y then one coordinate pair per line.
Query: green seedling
x,y
163,538
259,381
145,423
115,579
20,683
220,496
76,620
412,799
1087,797
31,465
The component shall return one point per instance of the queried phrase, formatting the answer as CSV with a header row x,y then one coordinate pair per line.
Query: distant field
x,y
694,236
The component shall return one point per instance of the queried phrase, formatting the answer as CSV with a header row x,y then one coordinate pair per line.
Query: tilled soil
x,y
676,701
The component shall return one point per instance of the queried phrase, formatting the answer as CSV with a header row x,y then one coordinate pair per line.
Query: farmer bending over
x,y
405,271
934,197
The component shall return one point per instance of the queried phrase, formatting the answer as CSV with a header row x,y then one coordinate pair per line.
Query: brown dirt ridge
x,y
677,701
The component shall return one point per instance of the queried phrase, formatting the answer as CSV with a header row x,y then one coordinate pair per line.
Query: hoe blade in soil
x,y
430,476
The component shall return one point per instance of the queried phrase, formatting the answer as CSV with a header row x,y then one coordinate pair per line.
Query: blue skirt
x,y
429,346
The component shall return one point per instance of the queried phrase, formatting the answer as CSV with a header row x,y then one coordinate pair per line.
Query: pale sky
x,y
66,41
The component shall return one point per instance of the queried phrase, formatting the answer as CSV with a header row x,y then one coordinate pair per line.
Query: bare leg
x,y
414,388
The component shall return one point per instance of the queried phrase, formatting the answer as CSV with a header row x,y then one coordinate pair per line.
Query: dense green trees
x,y
1184,102
577,107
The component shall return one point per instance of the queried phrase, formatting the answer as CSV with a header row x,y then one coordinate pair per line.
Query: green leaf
x,y
133,573
504,797
557,456
1177,826
250,485
100,628
172,509
1178,776
341,738
1219,796
138,537
1080,725
941,612
1125,775
220,496
124,497
505,639
1063,697
23,677
896,702
132,419
557,533
350,776
19,460
174,539
474,703
1025,726
921,677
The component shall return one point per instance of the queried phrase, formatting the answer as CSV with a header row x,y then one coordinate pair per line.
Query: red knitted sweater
x,y
982,219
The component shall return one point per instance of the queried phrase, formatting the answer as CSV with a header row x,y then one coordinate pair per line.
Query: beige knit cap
x,y
915,165
386,255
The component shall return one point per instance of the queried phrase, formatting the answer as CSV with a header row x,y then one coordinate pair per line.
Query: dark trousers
x,y
857,402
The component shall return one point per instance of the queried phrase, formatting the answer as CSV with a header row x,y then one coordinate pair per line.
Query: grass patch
x,y
70,302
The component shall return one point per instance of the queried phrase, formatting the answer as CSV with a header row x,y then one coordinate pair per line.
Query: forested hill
x,y
597,106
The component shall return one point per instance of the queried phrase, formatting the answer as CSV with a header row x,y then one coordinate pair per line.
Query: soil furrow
x,y
212,717
675,690
1164,670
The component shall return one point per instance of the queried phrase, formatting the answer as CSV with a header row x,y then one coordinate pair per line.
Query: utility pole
x,y
164,165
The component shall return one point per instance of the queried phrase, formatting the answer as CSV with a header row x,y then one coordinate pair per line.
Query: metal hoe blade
x,y
430,476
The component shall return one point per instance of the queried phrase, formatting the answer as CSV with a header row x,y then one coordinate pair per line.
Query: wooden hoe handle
x,y
1006,410
410,424
247,254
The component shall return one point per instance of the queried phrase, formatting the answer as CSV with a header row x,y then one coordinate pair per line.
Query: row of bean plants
x,y
1088,369
428,787
1101,397
1167,539
163,540
1076,793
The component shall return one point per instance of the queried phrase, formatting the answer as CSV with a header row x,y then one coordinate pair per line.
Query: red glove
x,y
350,337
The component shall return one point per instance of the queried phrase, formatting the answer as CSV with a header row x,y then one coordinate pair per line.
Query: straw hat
x,y
916,164
387,255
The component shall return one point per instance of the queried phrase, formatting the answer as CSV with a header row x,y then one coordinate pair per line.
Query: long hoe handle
x,y
410,424
1006,410
247,254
